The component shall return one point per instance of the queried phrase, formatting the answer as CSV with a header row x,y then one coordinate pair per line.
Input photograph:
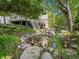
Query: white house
x,y
42,21
7,20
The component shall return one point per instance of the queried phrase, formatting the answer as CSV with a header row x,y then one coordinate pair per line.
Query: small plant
x,y
58,41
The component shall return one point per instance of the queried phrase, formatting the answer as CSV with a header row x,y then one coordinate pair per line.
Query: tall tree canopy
x,y
28,8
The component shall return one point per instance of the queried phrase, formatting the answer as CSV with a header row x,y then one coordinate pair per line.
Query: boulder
x,y
24,46
46,55
31,53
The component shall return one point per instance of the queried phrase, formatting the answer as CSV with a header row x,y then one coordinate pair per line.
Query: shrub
x,y
11,29
8,44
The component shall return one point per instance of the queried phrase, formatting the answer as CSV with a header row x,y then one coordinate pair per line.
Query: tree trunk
x,y
69,17
4,19
65,8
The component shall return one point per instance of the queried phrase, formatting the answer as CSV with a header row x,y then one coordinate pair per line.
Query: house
x,y
2,20
40,23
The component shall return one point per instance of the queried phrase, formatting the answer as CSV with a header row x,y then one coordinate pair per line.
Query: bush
x,y
8,44
11,29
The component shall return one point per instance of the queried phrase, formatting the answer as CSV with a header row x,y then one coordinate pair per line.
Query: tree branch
x,y
61,4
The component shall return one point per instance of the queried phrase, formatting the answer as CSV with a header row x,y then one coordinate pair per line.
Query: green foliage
x,y
50,42
76,37
11,29
57,21
51,20
66,53
60,22
8,44
28,8
58,41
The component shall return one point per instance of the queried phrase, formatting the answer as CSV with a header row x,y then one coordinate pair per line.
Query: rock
x,y
46,55
24,46
23,38
51,33
44,42
31,53
50,49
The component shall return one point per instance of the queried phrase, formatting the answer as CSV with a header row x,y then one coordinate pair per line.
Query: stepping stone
x,y
31,53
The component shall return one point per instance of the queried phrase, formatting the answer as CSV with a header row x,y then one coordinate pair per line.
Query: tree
x,y
70,8
66,7
27,8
